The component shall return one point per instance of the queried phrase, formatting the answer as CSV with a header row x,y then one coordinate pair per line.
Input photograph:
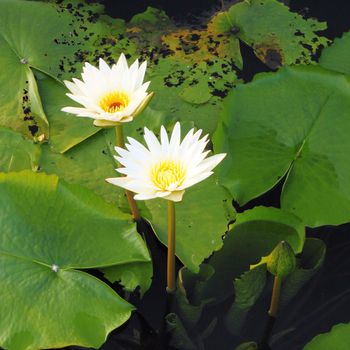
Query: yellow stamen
x,y
114,101
166,173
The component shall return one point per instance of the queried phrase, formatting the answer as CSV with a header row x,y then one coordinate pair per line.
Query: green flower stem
x,y
171,248
275,297
264,344
129,195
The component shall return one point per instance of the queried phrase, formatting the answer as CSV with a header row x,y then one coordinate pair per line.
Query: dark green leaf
x,y
253,236
189,298
247,289
310,261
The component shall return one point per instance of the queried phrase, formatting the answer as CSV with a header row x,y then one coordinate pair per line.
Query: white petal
x,y
163,194
80,112
73,87
119,181
82,100
144,196
192,181
175,196
152,142
175,136
138,147
104,67
164,137
141,74
207,164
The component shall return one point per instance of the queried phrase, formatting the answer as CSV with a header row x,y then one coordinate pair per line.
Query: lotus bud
x,y
281,262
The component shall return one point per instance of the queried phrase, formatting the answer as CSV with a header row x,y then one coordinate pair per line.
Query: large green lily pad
x,y
48,230
201,221
293,123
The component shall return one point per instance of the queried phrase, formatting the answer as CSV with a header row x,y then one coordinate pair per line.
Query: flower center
x,y
166,173
114,101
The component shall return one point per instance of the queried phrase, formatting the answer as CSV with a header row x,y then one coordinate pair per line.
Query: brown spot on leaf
x,y
270,54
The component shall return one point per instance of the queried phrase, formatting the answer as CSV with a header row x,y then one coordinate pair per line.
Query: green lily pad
x,y
131,275
338,338
17,153
190,70
87,164
66,130
201,220
48,230
24,46
336,57
92,161
277,35
293,123
73,34
252,236
20,105
191,92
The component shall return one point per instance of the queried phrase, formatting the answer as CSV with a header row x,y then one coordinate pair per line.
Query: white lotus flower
x,y
166,168
109,95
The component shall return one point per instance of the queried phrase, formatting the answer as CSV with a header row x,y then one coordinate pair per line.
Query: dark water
x,y
317,309
179,10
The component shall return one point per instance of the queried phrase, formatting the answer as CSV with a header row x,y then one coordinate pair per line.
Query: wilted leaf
x,y
277,35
